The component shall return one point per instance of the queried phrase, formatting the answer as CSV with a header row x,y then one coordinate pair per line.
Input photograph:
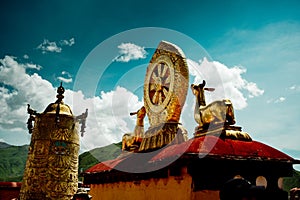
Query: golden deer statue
x,y
216,113
131,140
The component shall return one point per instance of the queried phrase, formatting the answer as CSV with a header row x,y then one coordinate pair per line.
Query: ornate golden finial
x,y
60,96
60,92
58,107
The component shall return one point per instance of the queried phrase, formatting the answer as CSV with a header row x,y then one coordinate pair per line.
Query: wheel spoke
x,y
160,98
160,81
168,80
152,87
154,77
164,71
165,91
159,70
155,98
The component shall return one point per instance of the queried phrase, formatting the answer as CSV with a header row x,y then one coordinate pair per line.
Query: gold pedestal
x,y
162,135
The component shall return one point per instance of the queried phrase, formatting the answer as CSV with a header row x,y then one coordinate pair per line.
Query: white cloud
x,y
18,89
108,116
65,80
66,77
253,90
278,100
26,56
48,46
69,42
295,88
227,81
66,73
33,66
130,51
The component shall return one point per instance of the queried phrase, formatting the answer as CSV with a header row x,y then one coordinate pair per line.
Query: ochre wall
x,y
171,188
205,195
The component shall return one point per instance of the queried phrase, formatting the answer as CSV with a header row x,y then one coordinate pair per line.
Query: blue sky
x,y
254,46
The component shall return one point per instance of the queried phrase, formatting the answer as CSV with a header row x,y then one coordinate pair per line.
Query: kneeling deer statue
x,y
217,112
130,139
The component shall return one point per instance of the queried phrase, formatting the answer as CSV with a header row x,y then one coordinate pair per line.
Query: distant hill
x,y
13,159
4,145
90,158
292,182
12,162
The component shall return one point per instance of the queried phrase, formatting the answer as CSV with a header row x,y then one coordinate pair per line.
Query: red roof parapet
x,y
208,146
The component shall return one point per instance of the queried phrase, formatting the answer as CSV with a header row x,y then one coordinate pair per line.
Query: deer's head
x,y
198,91
140,113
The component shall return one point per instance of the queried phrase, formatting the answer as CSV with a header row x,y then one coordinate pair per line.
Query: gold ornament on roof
x,y
59,107
165,90
51,170
217,112
215,118
132,141
166,84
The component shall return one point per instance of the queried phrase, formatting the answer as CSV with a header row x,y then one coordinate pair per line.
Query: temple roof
x,y
213,146
202,147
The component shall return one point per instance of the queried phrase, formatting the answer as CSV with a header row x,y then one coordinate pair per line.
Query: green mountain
x,y
12,162
4,145
92,157
13,159
292,182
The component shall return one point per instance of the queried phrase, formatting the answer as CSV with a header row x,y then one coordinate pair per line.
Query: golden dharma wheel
x,y
166,84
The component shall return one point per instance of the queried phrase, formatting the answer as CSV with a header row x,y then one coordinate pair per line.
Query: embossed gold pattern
x,y
51,170
166,84
52,163
165,90
167,133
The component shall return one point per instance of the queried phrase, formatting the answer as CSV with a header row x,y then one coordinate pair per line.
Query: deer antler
x,y
209,89
201,85
133,113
